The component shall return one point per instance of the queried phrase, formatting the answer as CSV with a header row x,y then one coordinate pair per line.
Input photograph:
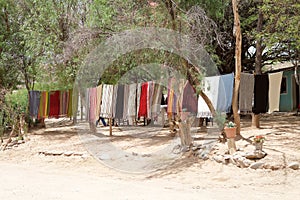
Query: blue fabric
x,y
34,103
225,93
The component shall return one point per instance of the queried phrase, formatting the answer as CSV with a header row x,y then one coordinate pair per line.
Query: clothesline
x,y
43,104
258,94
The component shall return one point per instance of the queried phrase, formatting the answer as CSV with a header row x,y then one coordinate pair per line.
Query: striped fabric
x,y
126,100
44,105
99,98
132,100
107,97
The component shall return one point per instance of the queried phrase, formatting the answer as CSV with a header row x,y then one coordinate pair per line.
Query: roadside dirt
x,y
59,162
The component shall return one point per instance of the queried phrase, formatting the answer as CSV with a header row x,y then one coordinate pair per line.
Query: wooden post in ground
x,y
110,126
231,145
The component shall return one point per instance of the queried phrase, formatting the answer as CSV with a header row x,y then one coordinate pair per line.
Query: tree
x,y
238,64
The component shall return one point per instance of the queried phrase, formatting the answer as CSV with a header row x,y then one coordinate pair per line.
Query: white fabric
x,y
132,100
274,91
107,97
211,89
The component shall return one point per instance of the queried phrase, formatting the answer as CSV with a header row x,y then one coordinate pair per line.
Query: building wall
x,y
288,100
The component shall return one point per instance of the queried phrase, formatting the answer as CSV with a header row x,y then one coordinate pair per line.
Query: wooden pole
x,y
238,64
231,145
110,126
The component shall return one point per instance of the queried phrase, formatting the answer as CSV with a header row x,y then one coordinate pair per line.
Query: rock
x,y
57,153
68,153
275,167
219,159
247,162
256,165
104,157
255,155
267,166
185,149
194,148
176,149
294,165
134,154
146,155
21,141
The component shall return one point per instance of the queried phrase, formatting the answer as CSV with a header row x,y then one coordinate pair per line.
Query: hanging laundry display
x,y
125,101
120,102
189,100
70,103
44,105
99,98
143,112
92,94
274,91
54,104
63,106
107,100
138,97
172,97
261,93
34,103
225,92
150,93
211,89
132,100
246,93
156,100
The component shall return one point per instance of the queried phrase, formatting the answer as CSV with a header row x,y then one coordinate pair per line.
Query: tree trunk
x,y
185,131
255,120
238,65
258,61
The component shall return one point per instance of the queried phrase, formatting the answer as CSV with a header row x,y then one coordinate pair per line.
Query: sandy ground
x,y
140,165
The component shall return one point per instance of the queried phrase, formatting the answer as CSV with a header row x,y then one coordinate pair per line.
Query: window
x,y
283,89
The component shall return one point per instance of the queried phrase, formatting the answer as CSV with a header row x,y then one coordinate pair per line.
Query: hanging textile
x,y
246,92
210,88
138,97
54,104
107,97
189,99
150,92
92,104
126,99
63,106
132,100
172,97
143,112
114,100
99,98
106,105
156,100
120,102
225,93
87,103
34,103
44,105
70,103
274,91
261,93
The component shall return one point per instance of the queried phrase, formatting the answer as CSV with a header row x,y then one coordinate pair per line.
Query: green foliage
x,y
18,100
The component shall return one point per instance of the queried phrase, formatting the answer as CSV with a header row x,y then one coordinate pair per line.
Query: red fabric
x,y
54,104
143,101
190,101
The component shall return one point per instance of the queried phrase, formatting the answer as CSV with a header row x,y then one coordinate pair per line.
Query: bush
x,y
18,101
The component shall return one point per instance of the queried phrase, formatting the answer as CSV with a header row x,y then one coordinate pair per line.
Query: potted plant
x,y
230,130
258,142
